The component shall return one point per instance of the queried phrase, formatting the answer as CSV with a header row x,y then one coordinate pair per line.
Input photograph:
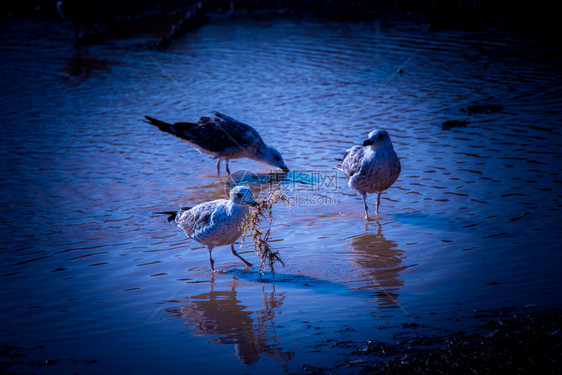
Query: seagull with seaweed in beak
x,y
224,138
216,223
372,167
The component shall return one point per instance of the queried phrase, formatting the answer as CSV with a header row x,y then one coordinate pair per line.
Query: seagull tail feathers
x,y
164,126
173,214
339,166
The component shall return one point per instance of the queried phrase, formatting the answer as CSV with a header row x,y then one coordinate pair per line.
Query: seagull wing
x,y
352,161
243,133
218,134
198,219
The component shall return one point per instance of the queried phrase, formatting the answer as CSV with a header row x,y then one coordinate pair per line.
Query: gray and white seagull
x,y
216,223
224,138
372,167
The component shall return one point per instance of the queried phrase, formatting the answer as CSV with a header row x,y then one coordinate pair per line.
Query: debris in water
x,y
482,108
448,125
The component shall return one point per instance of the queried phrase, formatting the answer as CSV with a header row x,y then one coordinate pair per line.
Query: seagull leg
x,y
211,261
378,202
218,167
227,169
364,195
248,264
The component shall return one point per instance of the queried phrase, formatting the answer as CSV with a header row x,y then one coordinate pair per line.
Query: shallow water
x,y
93,280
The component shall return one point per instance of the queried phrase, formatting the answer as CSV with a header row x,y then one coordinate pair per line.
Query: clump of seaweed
x,y
254,229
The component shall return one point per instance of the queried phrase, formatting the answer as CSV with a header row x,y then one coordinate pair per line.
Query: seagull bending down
x,y
224,138
218,222
371,168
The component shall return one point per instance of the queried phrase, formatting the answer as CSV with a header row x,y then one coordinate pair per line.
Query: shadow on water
x,y
221,313
294,281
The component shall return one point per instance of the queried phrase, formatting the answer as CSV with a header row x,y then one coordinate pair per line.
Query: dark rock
x,y
448,125
482,108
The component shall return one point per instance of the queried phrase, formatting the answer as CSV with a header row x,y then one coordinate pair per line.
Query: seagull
x,y
216,223
371,168
224,138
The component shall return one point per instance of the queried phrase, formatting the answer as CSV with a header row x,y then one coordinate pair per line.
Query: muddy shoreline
x,y
169,20
508,340
505,342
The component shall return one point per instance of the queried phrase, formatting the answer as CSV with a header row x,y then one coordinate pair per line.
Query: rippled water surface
x,y
92,280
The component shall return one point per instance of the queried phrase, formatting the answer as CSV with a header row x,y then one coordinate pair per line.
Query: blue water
x,y
93,281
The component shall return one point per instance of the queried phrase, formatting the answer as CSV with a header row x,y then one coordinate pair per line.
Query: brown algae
x,y
253,228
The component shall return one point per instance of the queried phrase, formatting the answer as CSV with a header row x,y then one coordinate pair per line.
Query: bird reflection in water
x,y
382,261
85,66
220,312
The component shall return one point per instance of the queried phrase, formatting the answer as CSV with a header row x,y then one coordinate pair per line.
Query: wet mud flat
x,y
508,340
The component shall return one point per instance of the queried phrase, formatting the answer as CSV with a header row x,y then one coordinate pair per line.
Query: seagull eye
x,y
380,136
277,158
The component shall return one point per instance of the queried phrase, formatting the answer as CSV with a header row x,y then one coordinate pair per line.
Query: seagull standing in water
x,y
371,168
218,222
224,138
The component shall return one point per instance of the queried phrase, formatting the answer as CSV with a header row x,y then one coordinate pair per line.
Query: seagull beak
x,y
285,169
367,142
254,204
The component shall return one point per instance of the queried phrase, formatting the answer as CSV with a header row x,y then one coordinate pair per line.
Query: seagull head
x,y
378,138
242,195
273,157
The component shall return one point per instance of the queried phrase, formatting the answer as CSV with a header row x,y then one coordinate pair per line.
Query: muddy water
x,y
93,280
